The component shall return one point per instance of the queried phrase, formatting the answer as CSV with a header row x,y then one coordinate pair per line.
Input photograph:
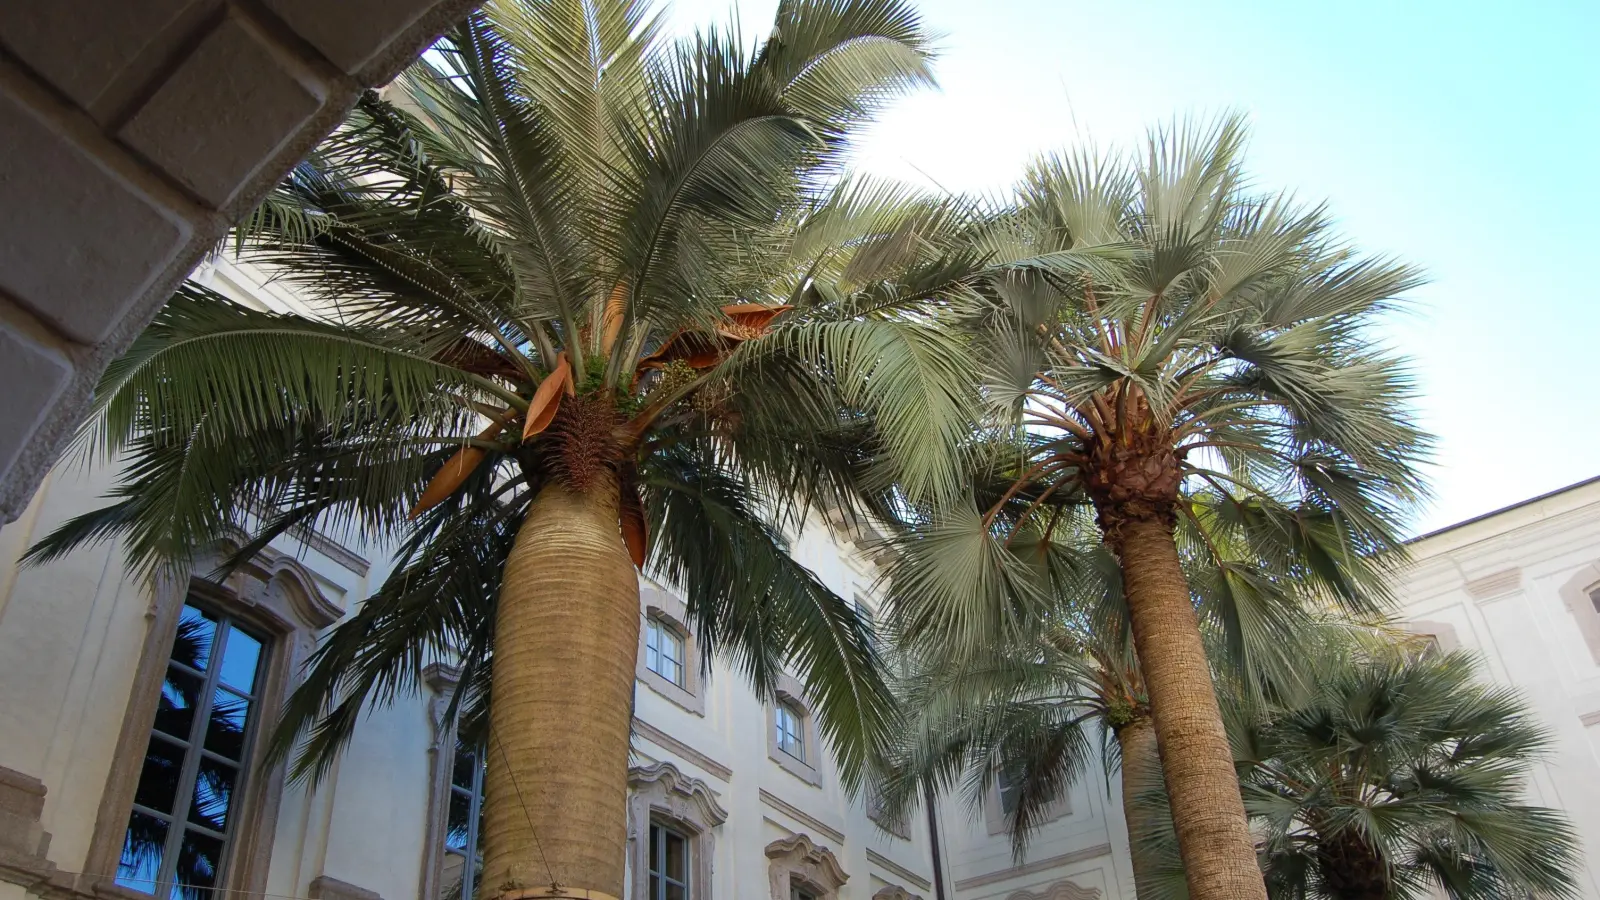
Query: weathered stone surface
x,y
78,244
252,105
83,46
351,32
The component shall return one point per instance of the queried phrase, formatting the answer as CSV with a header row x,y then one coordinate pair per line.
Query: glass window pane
x,y
225,729
461,774
677,853
239,660
180,694
655,848
455,832
675,891
213,794
142,847
199,865
158,780
655,886
197,630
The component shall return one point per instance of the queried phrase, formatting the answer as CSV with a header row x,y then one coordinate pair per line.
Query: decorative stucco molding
x,y
799,859
663,794
895,892
1065,889
666,741
664,780
799,815
1495,585
901,872
1033,868
325,888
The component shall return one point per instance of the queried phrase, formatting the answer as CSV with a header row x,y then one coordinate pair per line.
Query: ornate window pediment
x,y
663,795
800,860
895,892
1065,889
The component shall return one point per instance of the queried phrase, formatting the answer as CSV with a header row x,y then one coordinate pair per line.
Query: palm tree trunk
x,y
1219,857
566,638
1141,771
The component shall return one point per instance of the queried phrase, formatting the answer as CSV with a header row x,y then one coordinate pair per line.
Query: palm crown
x,y
569,256
1180,347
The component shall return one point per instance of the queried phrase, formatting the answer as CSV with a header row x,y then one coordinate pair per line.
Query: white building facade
x,y
130,710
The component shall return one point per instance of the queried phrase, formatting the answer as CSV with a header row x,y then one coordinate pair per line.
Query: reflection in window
x,y
669,864
463,826
663,650
791,731
193,765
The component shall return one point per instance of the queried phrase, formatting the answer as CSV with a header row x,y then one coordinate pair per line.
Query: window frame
x,y
179,820
791,730
659,635
661,794
275,596
656,862
995,816
659,606
791,695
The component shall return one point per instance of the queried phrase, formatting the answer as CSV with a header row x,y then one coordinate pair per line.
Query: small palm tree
x,y
590,302
1393,772
1401,773
1210,339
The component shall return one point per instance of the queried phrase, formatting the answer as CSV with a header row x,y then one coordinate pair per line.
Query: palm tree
x,y
1037,704
1210,339
1395,773
589,302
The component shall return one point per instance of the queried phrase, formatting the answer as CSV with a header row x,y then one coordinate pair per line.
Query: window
x,y
664,650
1594,597
790,731
864,613
669,864
463,853
1007,789
800,892
194,762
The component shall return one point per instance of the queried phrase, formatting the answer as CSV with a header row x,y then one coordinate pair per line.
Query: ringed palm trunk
x,y
566,637
1219,858
1141,770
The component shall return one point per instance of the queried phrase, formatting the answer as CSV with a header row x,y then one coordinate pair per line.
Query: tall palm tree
x,y
590,301
1393,772
1038,703
1211,338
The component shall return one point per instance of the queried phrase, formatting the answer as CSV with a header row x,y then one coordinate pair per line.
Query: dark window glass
x,y
225,728
197,631
177,834
463,854
180,694
158,780
1594,597
669,864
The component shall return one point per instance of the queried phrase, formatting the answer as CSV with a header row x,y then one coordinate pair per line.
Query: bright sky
x,y
1460,136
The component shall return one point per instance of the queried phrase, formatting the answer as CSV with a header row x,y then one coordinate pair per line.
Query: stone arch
x,y
136,134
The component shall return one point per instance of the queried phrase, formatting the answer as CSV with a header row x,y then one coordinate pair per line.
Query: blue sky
x,y
1463,137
